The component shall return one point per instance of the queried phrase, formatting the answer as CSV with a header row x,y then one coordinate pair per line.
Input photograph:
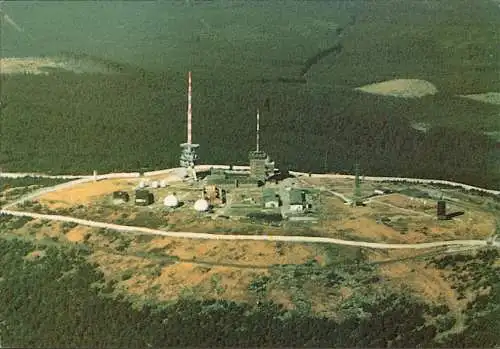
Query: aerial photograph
x,y
250,174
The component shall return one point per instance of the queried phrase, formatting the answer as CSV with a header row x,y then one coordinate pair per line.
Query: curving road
x,y
191,235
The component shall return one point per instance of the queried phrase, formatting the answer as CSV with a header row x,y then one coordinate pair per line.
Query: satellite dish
x,y
171,201
201,205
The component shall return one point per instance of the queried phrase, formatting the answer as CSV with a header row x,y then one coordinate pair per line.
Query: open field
x,y
307,70
86,193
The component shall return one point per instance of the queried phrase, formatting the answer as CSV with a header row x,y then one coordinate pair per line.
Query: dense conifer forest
x,y
127,122
85,311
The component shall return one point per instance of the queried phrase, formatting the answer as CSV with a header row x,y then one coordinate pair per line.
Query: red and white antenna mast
x,y
189,111
258,128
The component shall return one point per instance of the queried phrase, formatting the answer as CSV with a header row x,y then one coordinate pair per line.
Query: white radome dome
x,y
171,201
201,205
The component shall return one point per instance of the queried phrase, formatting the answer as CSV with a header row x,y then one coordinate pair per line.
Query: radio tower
x,y
258,122
189,156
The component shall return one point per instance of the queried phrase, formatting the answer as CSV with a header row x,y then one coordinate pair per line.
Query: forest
x,y
299,62
136,121
83,310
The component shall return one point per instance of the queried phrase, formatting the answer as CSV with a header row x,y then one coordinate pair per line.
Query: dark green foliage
x,y
67,226
48,302
144,239
472,273
148,219
259,284
13,222
6,183
265,217
302,121
112,235
415,193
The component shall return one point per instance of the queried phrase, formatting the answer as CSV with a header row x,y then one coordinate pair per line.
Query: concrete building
x,y
297,200
120,197
258,161
143,198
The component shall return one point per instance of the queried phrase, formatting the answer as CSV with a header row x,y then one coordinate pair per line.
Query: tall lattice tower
x,y
189,156
356,197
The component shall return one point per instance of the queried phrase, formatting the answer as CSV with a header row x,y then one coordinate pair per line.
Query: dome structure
x,y
201,205
163,183
154,184
142,184
171,201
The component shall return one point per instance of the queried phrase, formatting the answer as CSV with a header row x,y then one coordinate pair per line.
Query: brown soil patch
x,y
405,88
254,253
111,265
224,282
84,193
77,234
427,282
368,228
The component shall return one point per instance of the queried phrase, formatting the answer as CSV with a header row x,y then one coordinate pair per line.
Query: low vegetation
x,y
336,299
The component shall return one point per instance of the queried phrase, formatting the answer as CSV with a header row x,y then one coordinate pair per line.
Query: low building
x,y
120,197
270,198
143,198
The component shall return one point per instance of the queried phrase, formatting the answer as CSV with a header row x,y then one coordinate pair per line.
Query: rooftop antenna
x,y
258,124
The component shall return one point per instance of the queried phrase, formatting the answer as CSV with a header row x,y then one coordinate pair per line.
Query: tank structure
x,y
201,205
171,201
441,210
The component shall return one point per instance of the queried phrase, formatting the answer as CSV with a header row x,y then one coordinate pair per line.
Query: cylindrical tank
x,y
441,209
201,205
171,201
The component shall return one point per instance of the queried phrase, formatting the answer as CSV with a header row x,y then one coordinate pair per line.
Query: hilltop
x,y
319,285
